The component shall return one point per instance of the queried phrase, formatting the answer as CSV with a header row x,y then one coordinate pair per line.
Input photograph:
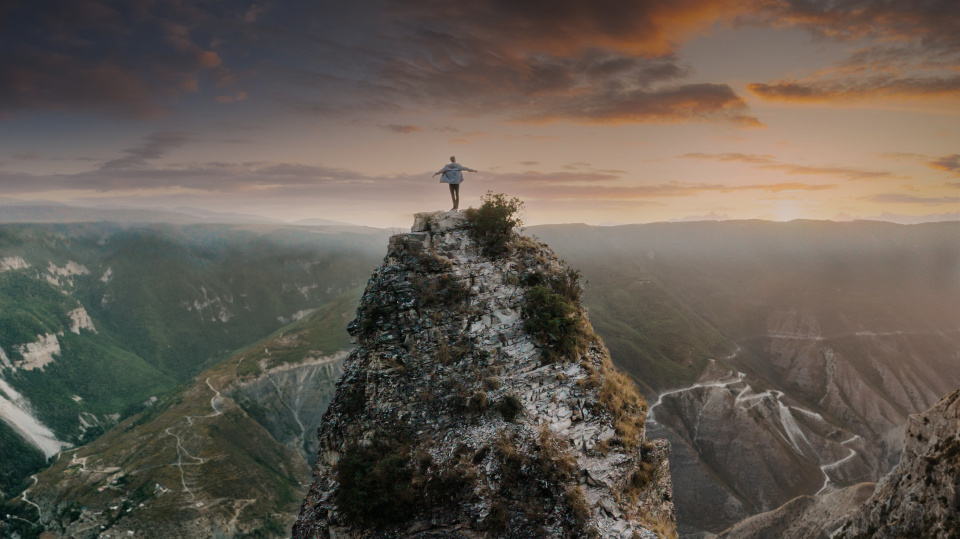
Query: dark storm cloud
x,y
567,60
585,62
913,49
120,57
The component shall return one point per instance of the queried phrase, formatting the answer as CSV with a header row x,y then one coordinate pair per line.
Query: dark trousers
x,y
455,194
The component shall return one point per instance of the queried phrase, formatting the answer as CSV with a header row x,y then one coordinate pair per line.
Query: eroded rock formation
x,y
479,403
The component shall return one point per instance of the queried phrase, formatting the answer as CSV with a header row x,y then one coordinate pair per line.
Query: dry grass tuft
x,y
619,395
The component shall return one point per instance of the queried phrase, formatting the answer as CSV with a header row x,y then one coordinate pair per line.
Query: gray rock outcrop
x,y
456,418
920,497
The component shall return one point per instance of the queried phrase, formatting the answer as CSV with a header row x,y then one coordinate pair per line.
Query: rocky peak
x,y
479,403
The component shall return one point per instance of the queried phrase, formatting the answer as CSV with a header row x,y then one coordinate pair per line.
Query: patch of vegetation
x,y
638,482
620,397
376,484
20,459
30,307
660,525
271,527
106,377
493,222
322,332
555,322
577,503
21,520
510,407
440,290
477,403
532,487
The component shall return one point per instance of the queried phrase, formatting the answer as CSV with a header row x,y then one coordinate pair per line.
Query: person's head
x,y
453,159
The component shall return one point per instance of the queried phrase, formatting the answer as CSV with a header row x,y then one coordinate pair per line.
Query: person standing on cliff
x,y
452,174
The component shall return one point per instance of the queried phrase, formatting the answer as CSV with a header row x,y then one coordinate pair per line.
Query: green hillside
x,y
198,458
164,301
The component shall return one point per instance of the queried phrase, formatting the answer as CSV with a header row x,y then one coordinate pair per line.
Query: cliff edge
x,y
479,403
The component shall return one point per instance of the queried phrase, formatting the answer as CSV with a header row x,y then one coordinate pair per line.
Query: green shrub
x,y
376,484
567,284
552,319
510,407
444,289
477,403
493,222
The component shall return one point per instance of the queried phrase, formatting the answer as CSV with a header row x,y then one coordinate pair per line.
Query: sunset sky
x,y
602,112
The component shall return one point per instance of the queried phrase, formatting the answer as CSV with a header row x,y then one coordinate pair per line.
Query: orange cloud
x,y
911,50
767,162
402,128
899,198
947,163
857,88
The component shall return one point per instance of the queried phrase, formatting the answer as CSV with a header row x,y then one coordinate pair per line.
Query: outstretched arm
x,y
469,169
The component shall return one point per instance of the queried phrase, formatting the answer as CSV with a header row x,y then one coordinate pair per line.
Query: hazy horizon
x,y
604,112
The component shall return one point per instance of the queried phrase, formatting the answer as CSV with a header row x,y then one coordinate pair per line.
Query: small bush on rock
x,y
552,319
510,407
493,222
620,397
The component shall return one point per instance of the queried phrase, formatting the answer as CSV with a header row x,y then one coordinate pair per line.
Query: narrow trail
x,y
23,496
215,404
824,467
232,525
792,433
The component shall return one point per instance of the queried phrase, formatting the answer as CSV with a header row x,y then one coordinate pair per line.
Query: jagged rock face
x,y
448,422
921,496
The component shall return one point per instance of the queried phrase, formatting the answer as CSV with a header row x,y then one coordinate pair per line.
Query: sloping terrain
x,y
825,337
918,498
221,455
98,319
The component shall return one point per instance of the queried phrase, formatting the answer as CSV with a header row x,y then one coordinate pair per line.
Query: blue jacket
x,y
451,173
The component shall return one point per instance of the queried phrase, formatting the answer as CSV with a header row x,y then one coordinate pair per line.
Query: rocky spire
x,y
479,403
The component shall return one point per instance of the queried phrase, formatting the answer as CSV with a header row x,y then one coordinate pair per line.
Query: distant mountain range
x,y
780,359
48,212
